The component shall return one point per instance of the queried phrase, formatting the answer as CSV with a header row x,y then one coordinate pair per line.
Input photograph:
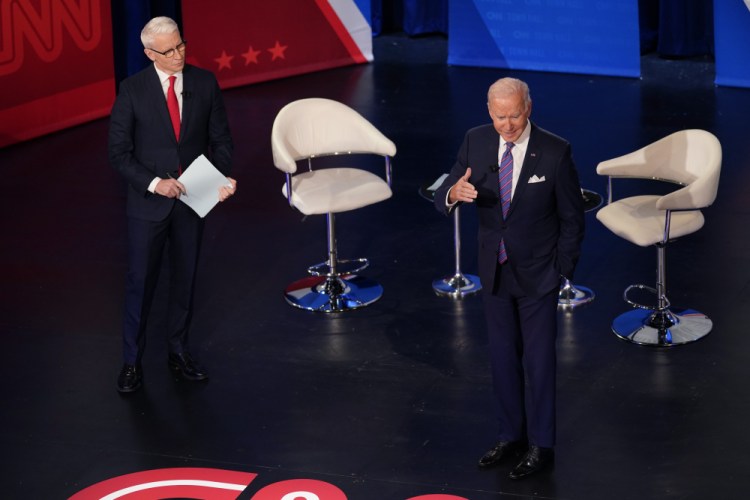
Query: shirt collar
x,y
523,139
163,77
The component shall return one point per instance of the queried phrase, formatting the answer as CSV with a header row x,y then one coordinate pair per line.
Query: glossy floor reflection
x,y
393,400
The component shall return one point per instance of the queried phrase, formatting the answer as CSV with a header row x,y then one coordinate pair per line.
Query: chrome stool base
x,y
573,296
662,329
333,293
457,286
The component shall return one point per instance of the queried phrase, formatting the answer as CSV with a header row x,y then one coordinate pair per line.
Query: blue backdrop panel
x,y
731,42
365,7
567,36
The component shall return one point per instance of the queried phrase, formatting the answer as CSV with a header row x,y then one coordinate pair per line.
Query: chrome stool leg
x,y
329,289
663,325
576,295
460,284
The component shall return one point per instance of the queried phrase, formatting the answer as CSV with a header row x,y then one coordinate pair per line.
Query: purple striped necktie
x,y
506,188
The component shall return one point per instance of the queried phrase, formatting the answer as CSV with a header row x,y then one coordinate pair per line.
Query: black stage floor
x,y
392,401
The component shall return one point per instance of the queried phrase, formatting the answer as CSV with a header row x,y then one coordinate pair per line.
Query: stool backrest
x,y
691,158
319,127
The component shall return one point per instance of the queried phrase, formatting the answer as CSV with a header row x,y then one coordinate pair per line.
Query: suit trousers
x,y
522,333
180,233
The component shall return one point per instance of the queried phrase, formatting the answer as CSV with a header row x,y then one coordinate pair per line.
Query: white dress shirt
x,y
519,153
164,79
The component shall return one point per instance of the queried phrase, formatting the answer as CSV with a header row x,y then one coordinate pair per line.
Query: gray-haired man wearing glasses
x,y
164,117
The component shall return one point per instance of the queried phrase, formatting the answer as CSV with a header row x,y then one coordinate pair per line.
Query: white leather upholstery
x,y
691,158
316,127
334,190
319,127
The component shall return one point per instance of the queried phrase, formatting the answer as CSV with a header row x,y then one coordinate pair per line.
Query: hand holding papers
x,y
202,182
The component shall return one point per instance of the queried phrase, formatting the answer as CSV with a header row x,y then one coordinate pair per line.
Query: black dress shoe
x,y
536,459
497,453
129,379
183,364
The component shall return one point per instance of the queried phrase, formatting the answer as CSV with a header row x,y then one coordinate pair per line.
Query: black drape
x,y
128,19
413,17
677,28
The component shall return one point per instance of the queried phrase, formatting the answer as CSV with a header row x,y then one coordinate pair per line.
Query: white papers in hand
x,y
202,182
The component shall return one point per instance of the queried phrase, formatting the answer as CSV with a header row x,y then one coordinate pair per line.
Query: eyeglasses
x,y
171,52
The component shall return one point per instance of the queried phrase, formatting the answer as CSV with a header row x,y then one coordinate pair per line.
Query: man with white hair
x,y
164,117
524,184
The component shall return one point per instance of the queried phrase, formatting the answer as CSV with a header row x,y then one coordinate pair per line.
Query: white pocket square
x,y
534,179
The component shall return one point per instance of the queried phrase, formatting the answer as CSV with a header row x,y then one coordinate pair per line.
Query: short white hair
x,y
505,87
157,26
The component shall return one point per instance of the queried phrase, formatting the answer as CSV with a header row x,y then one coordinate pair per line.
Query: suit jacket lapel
x,y
489,179
187,99
492,158
159,102
530,162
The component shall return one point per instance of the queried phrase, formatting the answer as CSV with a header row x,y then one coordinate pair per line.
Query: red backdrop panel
x,y
56,66
244,42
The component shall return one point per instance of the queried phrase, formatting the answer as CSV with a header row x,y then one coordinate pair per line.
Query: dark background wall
x,y
671,28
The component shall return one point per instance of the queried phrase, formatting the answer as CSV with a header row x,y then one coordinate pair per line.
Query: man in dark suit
x,y
525,187
164,117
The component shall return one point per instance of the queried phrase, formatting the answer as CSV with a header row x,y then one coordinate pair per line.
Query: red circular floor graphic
x,y
213,484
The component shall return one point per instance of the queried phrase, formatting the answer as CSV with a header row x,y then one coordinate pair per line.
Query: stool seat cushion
x,y
333,190
637,220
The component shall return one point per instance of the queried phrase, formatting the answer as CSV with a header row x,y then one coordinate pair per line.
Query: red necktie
x,y
174,107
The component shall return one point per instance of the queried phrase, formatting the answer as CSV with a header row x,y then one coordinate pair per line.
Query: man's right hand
x,y
171,188
463,190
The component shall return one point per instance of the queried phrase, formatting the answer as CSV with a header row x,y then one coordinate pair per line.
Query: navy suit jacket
x,y
142,144
545,224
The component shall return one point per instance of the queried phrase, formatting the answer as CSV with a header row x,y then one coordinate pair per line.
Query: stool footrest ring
x,y
343,267
641,306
